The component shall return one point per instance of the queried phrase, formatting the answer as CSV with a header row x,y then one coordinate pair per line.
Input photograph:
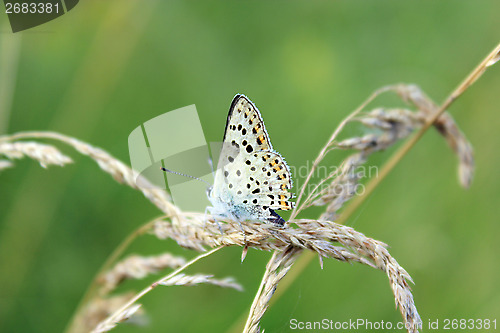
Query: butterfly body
x,y
252,179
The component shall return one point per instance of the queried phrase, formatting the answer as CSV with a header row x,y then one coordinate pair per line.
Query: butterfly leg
x,y
218,224
209,209
236,217
243,231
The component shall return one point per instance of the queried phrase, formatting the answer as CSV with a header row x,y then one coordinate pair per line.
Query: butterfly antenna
x,y
189,176
211,163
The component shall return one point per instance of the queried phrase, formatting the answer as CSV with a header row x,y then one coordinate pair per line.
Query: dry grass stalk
x,y
276,269
194,231
377,253
192,280
127,309
264,236
341,189
317,236
4,164
106,325
122,307
111,165
446,126
45,154
137,267
463,148
492,58
100,308
392,125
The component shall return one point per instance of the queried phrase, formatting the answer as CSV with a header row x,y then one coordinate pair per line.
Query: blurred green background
x,y
104,68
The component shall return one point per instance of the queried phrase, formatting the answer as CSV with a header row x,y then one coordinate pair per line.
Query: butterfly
x,y
252,180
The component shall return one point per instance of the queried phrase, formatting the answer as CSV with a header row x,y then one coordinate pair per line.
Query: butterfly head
x,y
209,190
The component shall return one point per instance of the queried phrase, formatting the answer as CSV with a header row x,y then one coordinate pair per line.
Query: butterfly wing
x,y
244,124
251,178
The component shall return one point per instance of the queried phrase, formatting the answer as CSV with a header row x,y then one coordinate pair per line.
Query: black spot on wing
x,y
230,114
